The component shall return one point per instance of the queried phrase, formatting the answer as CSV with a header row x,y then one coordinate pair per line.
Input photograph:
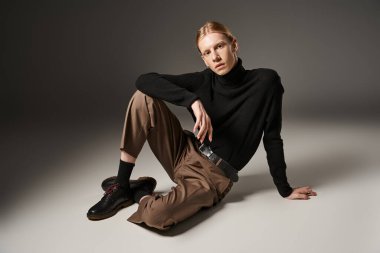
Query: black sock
x,y
124,173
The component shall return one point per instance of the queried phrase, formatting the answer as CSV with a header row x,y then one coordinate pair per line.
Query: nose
x,y
215,56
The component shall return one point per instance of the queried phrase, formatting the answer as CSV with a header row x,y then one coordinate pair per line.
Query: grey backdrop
x,y
68,67
69,60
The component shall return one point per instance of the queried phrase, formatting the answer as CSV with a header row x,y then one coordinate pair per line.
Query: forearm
x,y
170,88
277,166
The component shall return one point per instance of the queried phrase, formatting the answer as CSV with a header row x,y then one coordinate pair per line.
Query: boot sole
x,y
111,213
121,205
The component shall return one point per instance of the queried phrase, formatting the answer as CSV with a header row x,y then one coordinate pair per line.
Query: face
x,y
218,53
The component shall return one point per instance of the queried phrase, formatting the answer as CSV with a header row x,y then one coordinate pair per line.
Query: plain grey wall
x,y
66,60
68,68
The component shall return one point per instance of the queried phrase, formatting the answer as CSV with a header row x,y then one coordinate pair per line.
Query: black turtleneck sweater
x,y
242,104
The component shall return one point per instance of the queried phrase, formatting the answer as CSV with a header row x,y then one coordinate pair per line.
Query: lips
x,y
219,65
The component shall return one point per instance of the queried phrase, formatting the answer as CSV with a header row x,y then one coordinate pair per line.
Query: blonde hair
x,y
213,27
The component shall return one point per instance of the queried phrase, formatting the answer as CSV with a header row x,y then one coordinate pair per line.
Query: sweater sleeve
x,y
175,89
273,143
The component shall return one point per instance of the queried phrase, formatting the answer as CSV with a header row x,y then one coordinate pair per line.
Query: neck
x,y
234,76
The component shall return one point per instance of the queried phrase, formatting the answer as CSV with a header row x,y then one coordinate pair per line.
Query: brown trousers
x,y
199,182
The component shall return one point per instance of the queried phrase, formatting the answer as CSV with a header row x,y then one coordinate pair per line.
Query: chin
x,y
221,72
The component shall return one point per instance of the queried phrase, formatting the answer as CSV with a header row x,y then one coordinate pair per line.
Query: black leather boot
x,y
132,183
114,199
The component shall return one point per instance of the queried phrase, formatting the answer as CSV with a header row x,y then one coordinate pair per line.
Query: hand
x,y
203,121
302,193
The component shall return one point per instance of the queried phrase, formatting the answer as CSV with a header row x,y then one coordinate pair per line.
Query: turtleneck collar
x,y
234,77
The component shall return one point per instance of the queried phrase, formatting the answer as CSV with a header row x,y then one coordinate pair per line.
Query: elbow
x,y
140,81
273,142
143,80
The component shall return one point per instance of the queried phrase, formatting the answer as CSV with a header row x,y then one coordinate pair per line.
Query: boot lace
x,y
111,189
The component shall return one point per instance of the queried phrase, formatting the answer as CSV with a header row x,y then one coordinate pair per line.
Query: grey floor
x,y
340,160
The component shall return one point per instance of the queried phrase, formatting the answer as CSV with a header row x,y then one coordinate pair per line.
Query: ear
x,y
235,45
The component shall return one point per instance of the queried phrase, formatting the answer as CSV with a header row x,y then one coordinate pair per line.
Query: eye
x,y
220,45
206,53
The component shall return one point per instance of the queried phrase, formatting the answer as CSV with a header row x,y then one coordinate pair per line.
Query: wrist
x,y
285,191
194,103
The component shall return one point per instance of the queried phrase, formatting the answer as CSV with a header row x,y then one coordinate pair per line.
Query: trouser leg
x,y
150,119
184,200
199,184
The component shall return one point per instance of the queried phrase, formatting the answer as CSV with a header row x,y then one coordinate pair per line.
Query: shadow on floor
x,y
53,147
330,168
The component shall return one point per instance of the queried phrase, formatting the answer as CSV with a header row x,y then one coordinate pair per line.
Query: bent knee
x,y
139,96
139,101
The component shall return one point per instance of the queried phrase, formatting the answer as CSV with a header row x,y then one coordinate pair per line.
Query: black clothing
x,y
242,105
124,173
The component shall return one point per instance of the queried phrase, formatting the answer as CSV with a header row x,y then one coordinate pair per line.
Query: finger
x,y
201,130
312,193
304,196
204,133
305,189
309,188
308,195
301,196
209,128
210,133
309,191
196,126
